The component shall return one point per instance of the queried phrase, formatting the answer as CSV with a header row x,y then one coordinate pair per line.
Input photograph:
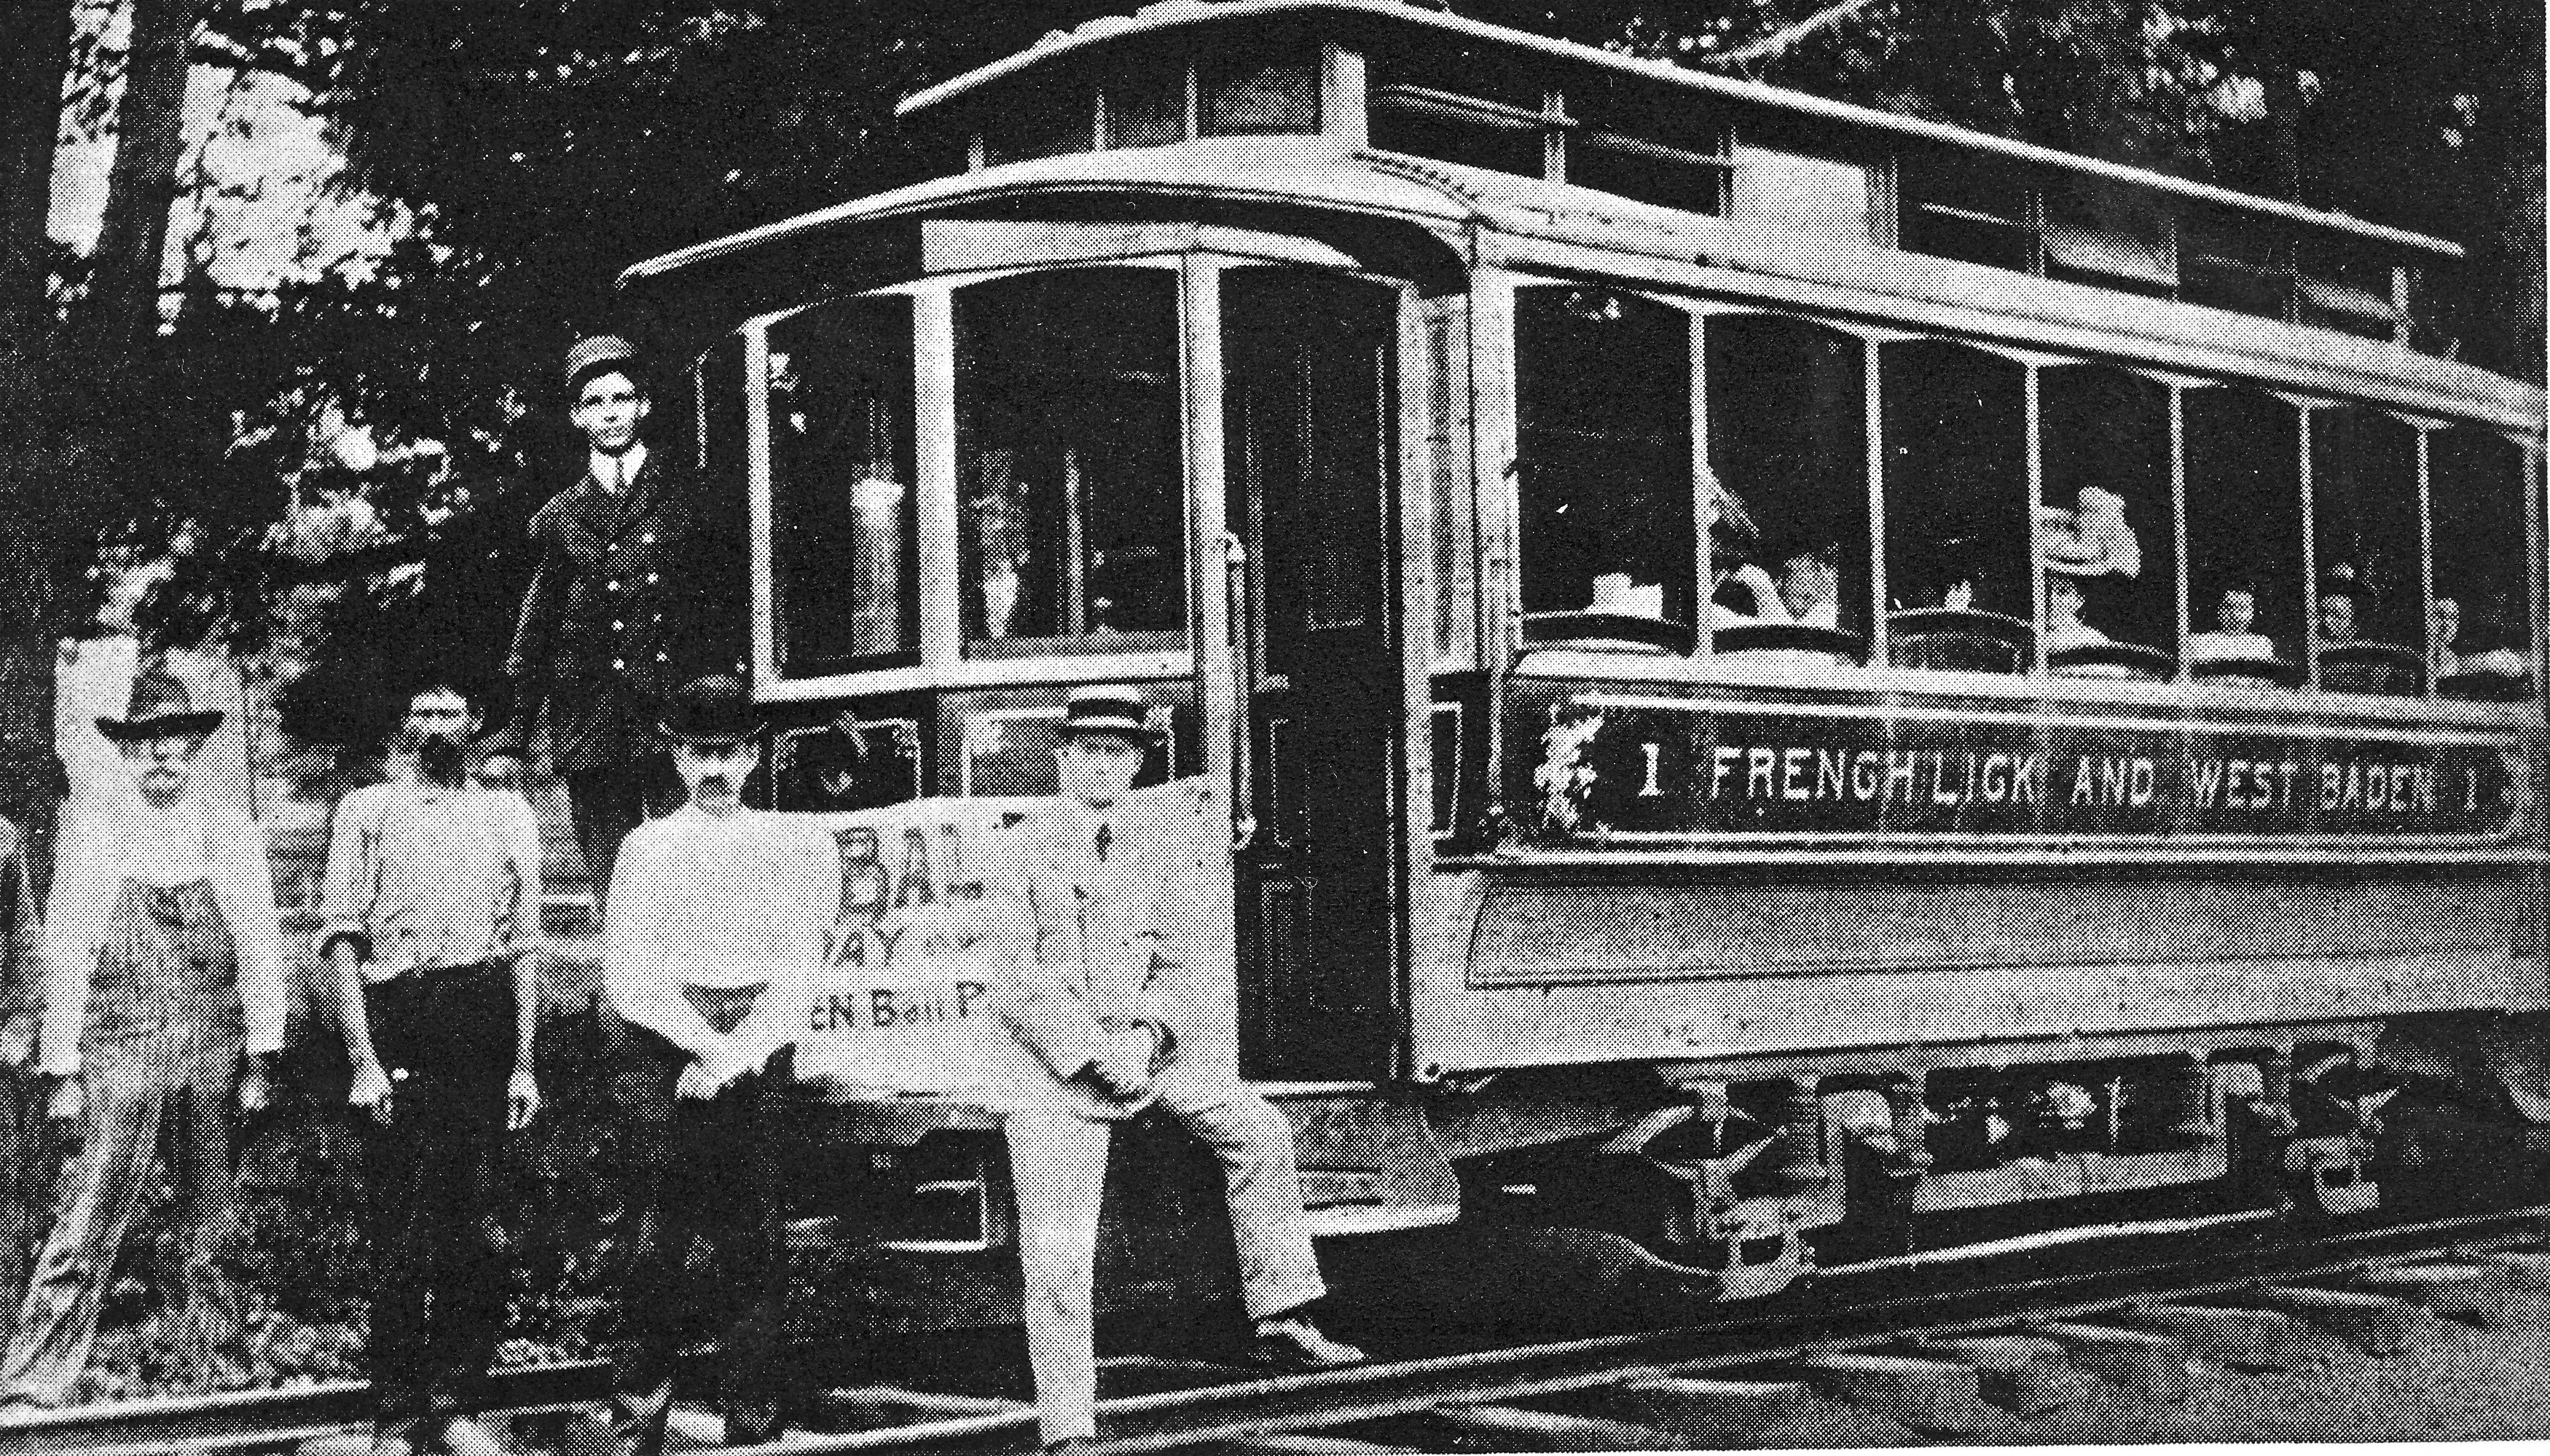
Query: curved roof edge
x,y
1173,15
1313,171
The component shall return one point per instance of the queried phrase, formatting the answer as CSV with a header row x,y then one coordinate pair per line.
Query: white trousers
x,y
1058,1161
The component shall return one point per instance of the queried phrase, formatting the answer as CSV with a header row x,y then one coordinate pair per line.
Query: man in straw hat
x,y
165,1001
706,952
623,608
1118,1012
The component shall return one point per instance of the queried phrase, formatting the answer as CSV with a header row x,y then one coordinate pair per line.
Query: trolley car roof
x,y
1170,16
1477,215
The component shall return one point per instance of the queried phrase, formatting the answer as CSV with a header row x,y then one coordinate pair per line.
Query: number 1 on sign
x,y
1655,757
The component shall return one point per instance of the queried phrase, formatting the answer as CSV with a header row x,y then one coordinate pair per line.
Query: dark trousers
x,y
605,803
701,1171
440,1269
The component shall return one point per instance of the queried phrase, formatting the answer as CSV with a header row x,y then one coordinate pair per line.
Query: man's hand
x,y
699,1082
69,1102
254,1090
522,1101
371,1092
1124,1064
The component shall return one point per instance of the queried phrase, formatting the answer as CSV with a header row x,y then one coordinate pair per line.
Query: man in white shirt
x,y
164,998
708,942
1114,1010
432,895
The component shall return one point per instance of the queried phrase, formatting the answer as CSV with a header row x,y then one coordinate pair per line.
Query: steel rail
x,y
1331,1398
256,1421
1823,1318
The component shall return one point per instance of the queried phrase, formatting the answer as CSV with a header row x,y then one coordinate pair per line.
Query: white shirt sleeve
x,y
244,884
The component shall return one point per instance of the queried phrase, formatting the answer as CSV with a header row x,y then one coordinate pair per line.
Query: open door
x,y
1310,414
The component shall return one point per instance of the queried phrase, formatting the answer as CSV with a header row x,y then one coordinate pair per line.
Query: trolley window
x,y
2369,543
842,577
1954,423
2478,478
1259,98
1146,106
2105,533
1603,393
2244,533
1073,525
1788,441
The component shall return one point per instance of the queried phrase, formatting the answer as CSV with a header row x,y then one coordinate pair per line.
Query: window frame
x,y
1494,339
764,486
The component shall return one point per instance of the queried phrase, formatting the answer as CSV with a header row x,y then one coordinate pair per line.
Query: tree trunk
x,y
122,310
36,39
68,452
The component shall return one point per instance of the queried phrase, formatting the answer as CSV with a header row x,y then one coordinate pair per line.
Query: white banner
x,y
903,1001
919,935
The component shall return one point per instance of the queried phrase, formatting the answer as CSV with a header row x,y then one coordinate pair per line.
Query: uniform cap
x,y
1118,710
596,352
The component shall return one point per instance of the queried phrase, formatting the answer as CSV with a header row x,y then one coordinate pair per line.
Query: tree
x,y
110,430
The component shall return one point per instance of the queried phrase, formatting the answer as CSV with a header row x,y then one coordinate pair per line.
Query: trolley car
x,y
1777,669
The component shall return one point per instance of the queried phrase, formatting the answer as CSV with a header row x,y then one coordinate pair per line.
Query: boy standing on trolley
x,y
622,610
432,895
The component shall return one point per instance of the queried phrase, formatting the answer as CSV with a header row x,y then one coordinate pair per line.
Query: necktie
x,y
1106,836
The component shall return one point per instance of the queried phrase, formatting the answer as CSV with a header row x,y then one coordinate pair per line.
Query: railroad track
x,y
1935,1361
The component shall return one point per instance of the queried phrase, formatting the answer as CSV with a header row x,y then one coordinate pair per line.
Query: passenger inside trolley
x,y
2065,599
2443,627
2235,613
2351,659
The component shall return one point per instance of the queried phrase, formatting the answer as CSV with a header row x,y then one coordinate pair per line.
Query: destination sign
x,y
1624,770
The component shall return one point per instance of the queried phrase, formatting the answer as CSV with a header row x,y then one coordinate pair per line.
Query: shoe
x,y
1291,1342
466,1435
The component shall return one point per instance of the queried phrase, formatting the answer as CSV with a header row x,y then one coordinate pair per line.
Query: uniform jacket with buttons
x,y
632,598
1141,934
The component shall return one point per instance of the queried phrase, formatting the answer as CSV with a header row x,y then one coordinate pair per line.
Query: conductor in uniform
x,y
1117,1011
628,602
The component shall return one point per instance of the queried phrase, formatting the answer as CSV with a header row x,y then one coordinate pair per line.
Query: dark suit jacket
x,y
636,595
